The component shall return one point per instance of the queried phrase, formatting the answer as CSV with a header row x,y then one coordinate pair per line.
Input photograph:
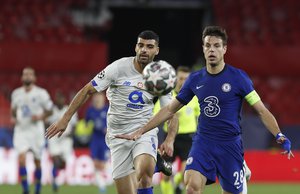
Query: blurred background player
x,y
187,117
60,149
97,114
30,106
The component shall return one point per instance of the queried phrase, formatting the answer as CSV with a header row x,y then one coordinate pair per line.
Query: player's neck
x,y
216,68
28,88
137,66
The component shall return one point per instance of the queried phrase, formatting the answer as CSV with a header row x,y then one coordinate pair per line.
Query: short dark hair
x,y
183,69
29,68
215,31
148,35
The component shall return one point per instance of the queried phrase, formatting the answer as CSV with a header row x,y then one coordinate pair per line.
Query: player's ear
x,y
157,51
225,49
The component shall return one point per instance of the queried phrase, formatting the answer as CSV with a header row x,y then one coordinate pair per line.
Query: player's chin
x,y
144,62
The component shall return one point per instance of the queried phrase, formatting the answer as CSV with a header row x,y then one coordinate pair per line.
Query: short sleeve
x,y
185,94
46,100
105,78
13,103
246,85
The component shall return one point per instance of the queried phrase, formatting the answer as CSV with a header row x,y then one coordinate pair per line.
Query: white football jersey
x,y
61,146
27,104
130,104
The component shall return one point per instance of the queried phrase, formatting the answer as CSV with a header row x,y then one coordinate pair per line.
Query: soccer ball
x,y
159,77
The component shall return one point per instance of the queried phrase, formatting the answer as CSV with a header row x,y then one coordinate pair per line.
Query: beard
x,y
27,82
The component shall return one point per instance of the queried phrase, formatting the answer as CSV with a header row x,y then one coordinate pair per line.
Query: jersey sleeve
x,y
105,78
13,103
185,94
247,89
46,100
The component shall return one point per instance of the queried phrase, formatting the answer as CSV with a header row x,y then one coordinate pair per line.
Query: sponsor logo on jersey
x,y
136,99
212,108
126,83
101,75
226,87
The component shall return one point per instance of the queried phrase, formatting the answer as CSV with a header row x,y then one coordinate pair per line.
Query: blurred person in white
x,y
97,114
131,106
60,149
30,106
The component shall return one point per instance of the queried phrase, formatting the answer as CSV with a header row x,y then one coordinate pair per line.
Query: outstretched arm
x,y
271,124
164,114
167,146
80,98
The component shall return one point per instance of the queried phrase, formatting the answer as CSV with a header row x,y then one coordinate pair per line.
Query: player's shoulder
x,y
17,91
198,73
40,90
123,61
235,70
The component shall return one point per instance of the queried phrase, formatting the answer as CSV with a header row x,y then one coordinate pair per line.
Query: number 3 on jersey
x,y
212,108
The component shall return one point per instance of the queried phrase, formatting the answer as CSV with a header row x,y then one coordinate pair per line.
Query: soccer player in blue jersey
x,y
97,113
217,149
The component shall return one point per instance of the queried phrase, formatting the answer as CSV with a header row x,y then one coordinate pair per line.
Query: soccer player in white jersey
x,y
60,149
130,107
30,106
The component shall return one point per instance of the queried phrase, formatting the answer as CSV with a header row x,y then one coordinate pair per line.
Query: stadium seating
x,y
255,22
39,21
264,40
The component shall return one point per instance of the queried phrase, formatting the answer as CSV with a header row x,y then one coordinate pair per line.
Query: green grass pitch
x,y
253,188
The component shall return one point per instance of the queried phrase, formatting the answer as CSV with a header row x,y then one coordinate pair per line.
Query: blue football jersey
x,y
99,117
220,98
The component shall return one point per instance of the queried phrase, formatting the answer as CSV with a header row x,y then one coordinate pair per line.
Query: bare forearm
x,y
163,115
172,128
270,122
80,98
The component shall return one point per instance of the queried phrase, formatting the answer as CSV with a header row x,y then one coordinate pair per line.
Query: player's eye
x,y
140,45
